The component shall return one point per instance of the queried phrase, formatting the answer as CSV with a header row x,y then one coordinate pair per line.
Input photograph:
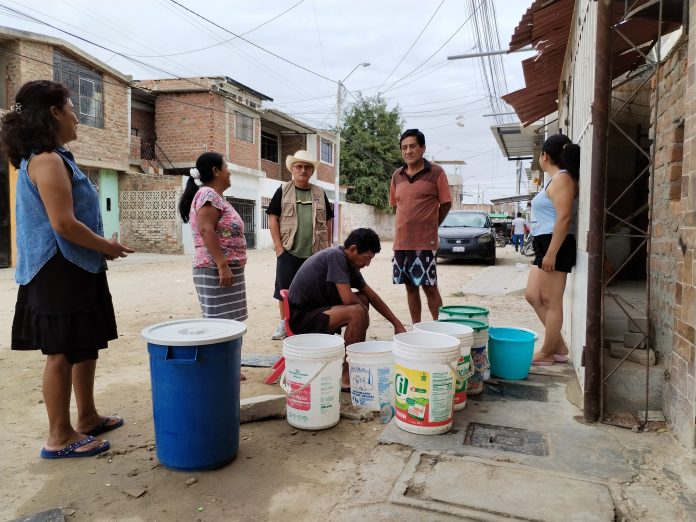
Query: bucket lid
x,y
464,310
313,346
475,325
432,343
370,348
194,332
461,331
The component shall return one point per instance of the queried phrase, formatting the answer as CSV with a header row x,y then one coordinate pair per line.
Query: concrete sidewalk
x,y
520,451
500,280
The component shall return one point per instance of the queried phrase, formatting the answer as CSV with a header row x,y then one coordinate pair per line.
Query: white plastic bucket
x,y
425,369
312,380
371,374
465,334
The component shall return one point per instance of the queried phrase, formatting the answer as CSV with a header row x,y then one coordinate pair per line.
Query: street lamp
x,y
337,160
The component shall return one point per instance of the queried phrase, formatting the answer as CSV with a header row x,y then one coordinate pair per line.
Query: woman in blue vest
x,y
63,304
553,240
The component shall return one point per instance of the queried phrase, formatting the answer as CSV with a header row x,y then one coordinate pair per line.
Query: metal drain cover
x,y
505,438
517,391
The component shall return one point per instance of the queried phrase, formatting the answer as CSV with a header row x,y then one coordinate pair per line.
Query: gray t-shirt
x,y
314,285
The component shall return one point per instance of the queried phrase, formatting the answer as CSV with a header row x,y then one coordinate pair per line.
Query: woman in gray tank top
x,y
554,244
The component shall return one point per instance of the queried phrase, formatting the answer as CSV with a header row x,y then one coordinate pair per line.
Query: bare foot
x,y
60,443
543,358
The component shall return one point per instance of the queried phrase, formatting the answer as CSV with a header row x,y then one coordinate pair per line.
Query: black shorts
x,y
416,267
309,321
565,258
287,266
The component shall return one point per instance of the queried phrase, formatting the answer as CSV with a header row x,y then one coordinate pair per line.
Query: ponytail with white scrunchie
x,y
196,176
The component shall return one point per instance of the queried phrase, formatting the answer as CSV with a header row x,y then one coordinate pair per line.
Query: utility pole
x,y
337,163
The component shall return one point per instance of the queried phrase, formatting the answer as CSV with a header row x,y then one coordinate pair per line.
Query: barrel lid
x,y
194,332
477,326
464,310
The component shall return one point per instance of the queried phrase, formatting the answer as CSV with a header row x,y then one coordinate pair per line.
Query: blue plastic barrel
x,y
194,369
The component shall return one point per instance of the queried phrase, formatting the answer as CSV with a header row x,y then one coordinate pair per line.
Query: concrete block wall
x,y
673,215
357,215
146,233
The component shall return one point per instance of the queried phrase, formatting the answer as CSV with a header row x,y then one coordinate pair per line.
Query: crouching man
x,y
321,295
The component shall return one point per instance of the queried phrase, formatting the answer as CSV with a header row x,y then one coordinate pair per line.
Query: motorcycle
x,y
502,239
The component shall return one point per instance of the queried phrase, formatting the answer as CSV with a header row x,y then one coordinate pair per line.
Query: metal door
x,y
245,208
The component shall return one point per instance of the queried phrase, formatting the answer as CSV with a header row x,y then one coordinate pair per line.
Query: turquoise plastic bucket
x,y
194,367
510,351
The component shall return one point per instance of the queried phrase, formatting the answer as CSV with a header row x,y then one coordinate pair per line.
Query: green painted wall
x,y
108,201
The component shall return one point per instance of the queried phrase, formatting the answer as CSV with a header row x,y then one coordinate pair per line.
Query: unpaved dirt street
x,y
280,472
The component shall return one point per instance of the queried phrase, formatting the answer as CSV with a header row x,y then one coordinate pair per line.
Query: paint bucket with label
x,y
371,374
479,355
425,370
476,313
312,380
465,334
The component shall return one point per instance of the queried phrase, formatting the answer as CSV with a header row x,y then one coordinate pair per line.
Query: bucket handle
x,y
453,367
284,381
171,359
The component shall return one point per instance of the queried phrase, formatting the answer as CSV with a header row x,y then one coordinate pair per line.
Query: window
x,y
326,151
269,146
85,87
245,128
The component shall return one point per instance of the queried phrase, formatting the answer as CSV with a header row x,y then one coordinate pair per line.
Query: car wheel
x,y
491,260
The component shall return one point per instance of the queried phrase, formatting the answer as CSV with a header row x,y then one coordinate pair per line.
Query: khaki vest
x,y
288,217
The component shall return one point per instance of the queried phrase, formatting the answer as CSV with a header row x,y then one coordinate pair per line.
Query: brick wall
x,y
149,218
144,122
271,169
243,152
289,145
325,172
673,293
108,145
188,124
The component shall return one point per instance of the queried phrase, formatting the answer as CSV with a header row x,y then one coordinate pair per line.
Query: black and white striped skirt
x,y
221,302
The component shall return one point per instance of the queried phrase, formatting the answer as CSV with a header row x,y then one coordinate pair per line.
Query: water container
x,y
194,369
511,351
312,380
425,373
465,334
477,313
479,354
371,374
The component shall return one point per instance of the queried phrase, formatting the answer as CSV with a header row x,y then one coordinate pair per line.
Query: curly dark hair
x,y
31,128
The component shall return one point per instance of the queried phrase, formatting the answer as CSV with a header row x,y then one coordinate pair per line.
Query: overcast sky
x,y
327,37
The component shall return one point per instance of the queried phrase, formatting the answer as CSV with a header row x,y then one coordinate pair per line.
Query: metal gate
x,y
4,216
245,208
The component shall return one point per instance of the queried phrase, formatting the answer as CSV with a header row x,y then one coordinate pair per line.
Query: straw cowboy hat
x,y
301,156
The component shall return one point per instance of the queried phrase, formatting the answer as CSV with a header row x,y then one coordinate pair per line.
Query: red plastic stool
x,y
279,366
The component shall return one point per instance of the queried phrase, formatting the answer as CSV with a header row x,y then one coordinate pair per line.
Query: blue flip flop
x,y
70,451
104,426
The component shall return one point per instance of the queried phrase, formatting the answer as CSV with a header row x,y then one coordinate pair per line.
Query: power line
x,y
252,43
411,47
429,57
225,41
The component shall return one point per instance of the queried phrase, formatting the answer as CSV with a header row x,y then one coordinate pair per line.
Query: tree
x,y
370,150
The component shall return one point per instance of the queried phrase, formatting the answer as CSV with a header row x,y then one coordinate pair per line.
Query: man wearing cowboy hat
x,y
300,219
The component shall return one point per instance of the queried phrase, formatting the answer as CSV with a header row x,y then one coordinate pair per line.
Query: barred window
x,y
85,86
244,127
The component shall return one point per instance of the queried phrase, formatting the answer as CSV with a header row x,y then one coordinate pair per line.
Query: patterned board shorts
x,y
417,267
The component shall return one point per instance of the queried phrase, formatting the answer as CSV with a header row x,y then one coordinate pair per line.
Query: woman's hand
x,y
548,264
114,250
226,276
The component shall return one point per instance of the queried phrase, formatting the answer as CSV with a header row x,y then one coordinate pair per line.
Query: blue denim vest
x,y
37,242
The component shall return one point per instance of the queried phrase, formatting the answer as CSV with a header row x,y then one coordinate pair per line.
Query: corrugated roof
x,y
546,26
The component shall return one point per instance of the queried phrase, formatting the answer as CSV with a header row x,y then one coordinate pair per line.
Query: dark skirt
x,y
64,310
566,256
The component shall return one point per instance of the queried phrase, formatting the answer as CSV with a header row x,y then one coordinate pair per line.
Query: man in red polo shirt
x,y
421,195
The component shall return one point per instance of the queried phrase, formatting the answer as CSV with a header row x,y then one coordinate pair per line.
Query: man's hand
x,y
399,328
279,250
